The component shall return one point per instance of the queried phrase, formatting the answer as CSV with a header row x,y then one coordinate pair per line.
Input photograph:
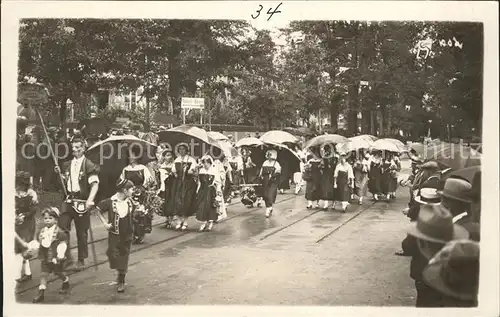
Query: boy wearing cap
x,y
433,229
53,242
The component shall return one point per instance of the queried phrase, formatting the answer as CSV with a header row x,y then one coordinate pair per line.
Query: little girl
x,y
270,174
26,202
53,244
119,223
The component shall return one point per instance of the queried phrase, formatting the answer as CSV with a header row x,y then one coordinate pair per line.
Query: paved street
x,y
298,257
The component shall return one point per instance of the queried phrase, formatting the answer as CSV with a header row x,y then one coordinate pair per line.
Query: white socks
x,y
42,287
27,267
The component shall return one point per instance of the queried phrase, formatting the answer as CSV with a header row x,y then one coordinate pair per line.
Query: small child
x,y
53,244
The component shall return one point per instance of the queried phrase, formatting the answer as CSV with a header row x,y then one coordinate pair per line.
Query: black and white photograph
x,y
251,154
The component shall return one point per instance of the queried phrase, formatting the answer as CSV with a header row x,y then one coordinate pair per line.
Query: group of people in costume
x,y
340,177
443,238
178,186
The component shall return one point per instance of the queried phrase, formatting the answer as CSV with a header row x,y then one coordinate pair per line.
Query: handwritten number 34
x,y
271,13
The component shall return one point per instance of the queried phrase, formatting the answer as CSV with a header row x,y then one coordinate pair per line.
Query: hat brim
x,y
462,199
459,233
432,276
419,200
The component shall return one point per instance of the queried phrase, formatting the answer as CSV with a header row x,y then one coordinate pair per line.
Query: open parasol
x,y
324,139
217,136
250,141
385,145
277,136
356,143
401,146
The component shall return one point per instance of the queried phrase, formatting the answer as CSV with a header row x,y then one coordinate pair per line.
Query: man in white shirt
x,y
81,178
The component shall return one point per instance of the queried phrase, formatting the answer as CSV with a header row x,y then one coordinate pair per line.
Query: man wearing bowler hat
x,y
432,230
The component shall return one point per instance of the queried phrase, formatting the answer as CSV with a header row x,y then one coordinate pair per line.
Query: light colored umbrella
x,y
357,143
227,148
385,145
217,135
250,141
401,146
324,139
278,136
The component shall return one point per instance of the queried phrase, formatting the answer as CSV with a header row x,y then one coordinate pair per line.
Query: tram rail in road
x,y
137,248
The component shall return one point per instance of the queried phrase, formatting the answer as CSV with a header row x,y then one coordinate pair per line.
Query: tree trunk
x,y
389,122
334,115
352,112
381,122
366,126
373,128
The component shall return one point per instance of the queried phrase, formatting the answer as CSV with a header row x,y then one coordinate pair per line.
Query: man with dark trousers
x,y
82,183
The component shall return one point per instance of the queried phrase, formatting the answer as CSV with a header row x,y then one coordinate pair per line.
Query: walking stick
x,y
52,152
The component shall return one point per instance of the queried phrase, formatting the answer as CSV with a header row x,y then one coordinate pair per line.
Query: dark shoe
x,y
64,288
400,253
121,287
40,297
25,278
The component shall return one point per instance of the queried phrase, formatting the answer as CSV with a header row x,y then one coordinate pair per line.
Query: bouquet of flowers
x,y
248,196
153,203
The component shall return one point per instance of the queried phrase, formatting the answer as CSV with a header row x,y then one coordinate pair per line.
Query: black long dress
x,y
270,182
205,198
168,193
313,187
385,184
25,205
184,188
327,170
375,177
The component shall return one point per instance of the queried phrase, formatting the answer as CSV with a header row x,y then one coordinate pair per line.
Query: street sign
x,y
193,103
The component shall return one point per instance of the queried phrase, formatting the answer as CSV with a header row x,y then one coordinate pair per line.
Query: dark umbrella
x,y
467,173
111,155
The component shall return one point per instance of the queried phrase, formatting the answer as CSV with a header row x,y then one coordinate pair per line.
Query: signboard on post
x,y
192,103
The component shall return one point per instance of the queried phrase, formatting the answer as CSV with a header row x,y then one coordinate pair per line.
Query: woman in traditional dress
x,y
141,177
119,223
270,174
312,175
166,189
394,169
361,170
327,166
184,169
228,179
237,167
249,167
26,208
343,178
375,175
387,167
209,189
285,177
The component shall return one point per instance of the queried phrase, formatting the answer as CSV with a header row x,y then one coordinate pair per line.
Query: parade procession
x,y
252,179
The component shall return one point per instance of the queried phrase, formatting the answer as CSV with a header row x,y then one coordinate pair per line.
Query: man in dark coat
x,y
81,179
